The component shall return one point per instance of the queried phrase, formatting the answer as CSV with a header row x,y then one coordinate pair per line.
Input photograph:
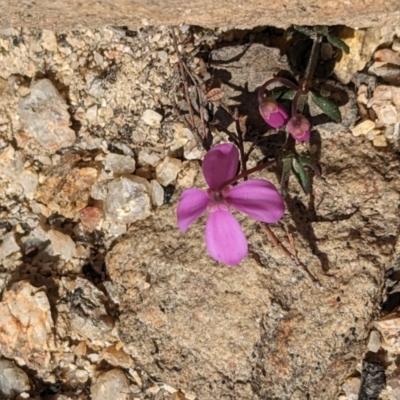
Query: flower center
x,y
217,199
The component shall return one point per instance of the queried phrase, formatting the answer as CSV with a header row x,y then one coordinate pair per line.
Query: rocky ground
x,y
104,298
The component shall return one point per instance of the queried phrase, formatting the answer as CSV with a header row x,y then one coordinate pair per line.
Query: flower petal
x,y
258,198
225,239
220,164
192,205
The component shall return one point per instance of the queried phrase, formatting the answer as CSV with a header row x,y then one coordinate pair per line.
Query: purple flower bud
x,y
299,127
274,114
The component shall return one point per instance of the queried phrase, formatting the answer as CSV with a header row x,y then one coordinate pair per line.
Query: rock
x,y
362,44
126,199
119,164
49,40
389,327
66,187
46,116
8,246
379,141
352,387
374,341
152,118
223,13
387,56
388,72
90,217
116,357
372,380
168,170
261,318
111,385
386,104
62,244
13,380
148,157
27,326
82,314
157,193
363,128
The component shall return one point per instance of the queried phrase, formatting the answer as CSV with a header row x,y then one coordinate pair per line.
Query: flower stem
x,y
312,63
245,174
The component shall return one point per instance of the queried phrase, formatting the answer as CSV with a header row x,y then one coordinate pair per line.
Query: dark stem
x,y
244,174
240,141
312,63
296,101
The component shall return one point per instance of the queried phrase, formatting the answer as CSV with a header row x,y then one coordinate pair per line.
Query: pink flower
x,y
273,113
257,198
299,127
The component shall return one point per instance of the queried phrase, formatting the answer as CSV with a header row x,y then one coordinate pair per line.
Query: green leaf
x,y
336,42
322,30
288,95
282,94
305,30
286,168
306,162
302,176
330,109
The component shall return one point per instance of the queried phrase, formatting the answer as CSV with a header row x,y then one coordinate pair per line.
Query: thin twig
x,y
239,133
193,127
272,237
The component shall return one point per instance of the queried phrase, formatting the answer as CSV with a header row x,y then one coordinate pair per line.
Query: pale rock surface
x,y
157,193
13,380
126,199
8,246
119,164
206,328
46,117
210,13
168,170
111,385
363,128
386,104
61,244
152,118
27,326
374,341
148,157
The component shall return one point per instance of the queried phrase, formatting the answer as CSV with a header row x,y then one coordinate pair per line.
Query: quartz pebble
x,y
46,116
363,128
62,244
13,380
110,386
152,118
119,164
157,193
379,141
168,170
8,246
126,199
374,341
